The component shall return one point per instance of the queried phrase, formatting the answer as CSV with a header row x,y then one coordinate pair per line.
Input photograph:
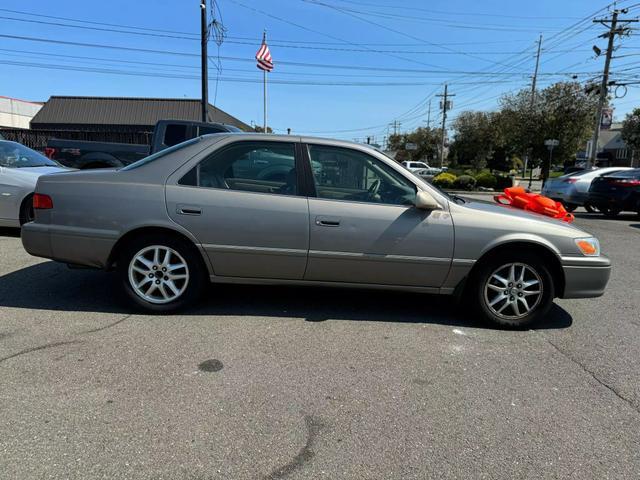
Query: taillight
x,y
42,202
50,152
570,180
631,182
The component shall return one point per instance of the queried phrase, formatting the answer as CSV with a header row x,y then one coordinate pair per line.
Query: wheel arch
x,y
542,250
154,230
28,197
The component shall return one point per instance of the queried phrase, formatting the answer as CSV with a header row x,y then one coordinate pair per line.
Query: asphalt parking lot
x,y
262,382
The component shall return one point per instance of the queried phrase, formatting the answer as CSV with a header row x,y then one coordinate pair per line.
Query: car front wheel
x,y
161,274
513,290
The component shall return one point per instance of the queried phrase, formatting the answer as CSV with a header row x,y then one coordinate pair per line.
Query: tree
x,y
562,111
425,139
475,138
260,129
631,130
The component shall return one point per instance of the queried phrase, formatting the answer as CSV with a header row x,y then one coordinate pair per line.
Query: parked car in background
x,y
205,211
82,154
573,189
415,166
422,169
616,192
20,168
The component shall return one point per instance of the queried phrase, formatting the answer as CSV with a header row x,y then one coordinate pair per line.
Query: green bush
x,y
465,182
444,180
486,180
470,173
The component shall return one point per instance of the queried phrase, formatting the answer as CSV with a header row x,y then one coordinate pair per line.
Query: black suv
x,y
616,192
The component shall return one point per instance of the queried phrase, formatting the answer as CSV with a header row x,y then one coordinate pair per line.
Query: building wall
x,y
16,113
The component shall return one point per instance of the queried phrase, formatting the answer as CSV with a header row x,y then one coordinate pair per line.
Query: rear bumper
x,y
585,277
90,248
577,198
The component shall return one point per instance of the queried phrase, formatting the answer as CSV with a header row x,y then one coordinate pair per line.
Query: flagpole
x,y
264,41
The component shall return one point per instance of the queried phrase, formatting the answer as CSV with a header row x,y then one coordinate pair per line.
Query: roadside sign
x,y
552,143
410,146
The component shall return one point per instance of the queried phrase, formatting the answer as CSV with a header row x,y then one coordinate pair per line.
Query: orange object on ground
x,y
518,197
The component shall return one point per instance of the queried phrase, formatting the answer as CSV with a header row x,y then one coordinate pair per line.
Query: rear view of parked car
x,y
572,189
20,168
616,192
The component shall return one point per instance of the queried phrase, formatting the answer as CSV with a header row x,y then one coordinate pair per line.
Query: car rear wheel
x,y
161,273
589,208
570,207
513,290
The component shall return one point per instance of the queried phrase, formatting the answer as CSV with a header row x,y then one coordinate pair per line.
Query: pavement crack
x,y
593,375
99,329
305,454
40,347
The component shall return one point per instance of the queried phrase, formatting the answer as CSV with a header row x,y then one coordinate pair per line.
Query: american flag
x,y
264,57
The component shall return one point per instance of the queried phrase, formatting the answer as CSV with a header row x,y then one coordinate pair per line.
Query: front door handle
x,y
189,210
327,221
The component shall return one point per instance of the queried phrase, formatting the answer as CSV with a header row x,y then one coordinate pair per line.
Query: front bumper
x,y
585,277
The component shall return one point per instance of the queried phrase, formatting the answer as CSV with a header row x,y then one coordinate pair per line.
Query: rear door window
x,y
262,167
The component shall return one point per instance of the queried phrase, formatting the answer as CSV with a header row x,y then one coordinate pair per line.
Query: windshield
x,y
15,155
160,154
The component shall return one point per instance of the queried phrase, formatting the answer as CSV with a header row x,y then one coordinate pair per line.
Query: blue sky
x,y
379,60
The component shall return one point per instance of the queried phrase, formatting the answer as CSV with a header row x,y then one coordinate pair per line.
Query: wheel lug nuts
x,y
520,294
519,285
166,278
512,298
164,269
155,268
151,275
506,292
157,282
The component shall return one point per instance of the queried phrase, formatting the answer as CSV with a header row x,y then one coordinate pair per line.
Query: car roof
x,y
292,138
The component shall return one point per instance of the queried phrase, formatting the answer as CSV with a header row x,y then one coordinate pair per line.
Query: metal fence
x,y
37,139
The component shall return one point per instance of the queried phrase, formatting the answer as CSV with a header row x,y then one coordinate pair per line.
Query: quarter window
x,y
345,174
264,167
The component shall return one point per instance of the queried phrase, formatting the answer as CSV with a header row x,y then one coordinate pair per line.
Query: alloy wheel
x,y
158,274
513,291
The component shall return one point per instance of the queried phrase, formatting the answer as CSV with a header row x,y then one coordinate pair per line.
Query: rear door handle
x,y
189,210
327,221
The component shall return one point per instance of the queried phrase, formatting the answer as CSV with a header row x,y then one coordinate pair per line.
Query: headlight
x,y
588,246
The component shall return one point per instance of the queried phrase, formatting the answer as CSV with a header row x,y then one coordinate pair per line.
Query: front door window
x,y
352,175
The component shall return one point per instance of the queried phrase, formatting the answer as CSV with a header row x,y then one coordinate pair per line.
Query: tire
x,y
485,289
570,207
610,212
589,208
174,290
26,214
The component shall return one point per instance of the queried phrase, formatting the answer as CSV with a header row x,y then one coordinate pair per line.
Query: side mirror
x,y
425,201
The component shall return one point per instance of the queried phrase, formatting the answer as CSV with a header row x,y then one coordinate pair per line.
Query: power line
x,y
284,62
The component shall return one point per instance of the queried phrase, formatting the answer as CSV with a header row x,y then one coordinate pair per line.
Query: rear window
x,y
160,154
625,174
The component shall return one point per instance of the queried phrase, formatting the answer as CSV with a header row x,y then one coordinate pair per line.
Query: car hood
x,y
516,215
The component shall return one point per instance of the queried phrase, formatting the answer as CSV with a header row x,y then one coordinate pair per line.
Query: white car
x,y
20,168
422,169
572,189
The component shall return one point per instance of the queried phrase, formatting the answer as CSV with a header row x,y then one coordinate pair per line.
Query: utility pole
x,y
429,116
205,74
613,31
532,103
445,105
396,126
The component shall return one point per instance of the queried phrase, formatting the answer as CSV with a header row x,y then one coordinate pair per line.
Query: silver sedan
x,y
20,168
269,209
